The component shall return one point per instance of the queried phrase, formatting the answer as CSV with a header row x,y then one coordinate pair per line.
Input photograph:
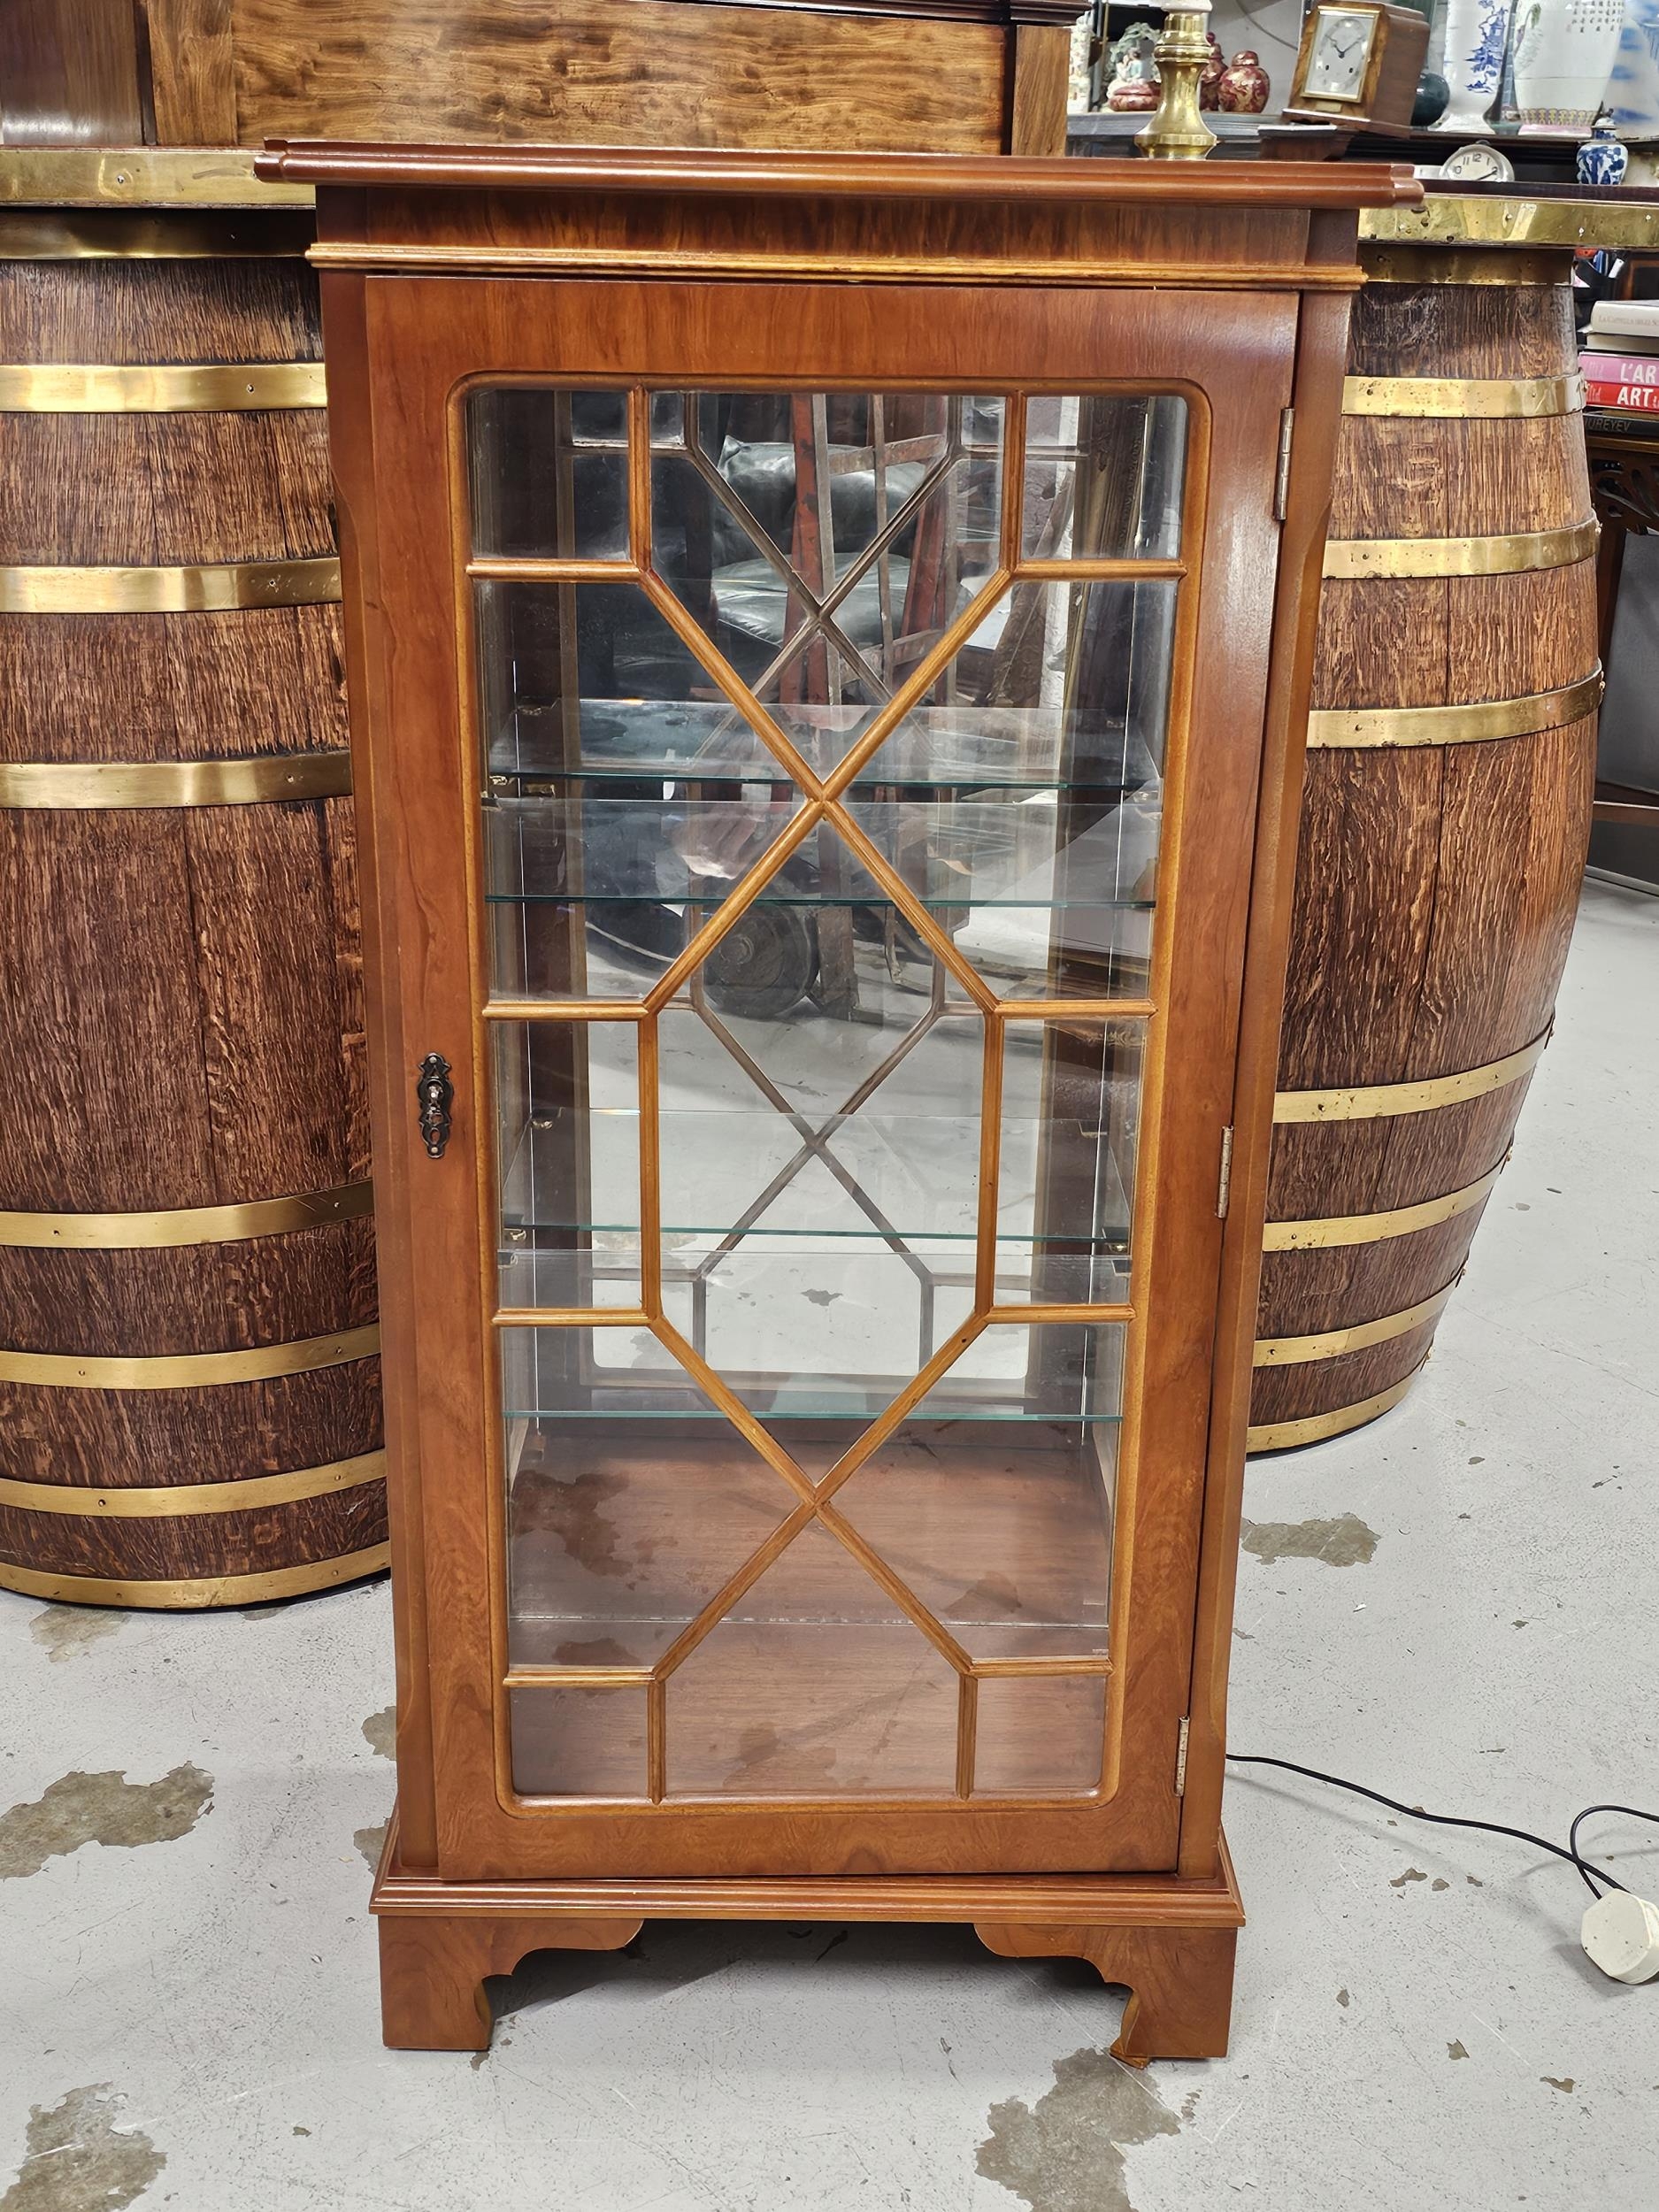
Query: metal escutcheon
x,y
436,1093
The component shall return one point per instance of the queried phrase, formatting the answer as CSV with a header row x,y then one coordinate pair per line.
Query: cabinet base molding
x,y
1166,1939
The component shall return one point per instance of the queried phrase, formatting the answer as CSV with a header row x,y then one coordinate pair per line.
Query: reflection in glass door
x,y
824,750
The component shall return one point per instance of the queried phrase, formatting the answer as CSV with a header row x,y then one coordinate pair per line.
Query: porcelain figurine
x,y
1604,158
1564,53
1472,64
1134,85
1244,86
1078,71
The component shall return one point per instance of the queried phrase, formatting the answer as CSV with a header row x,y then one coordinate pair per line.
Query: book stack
x,y
1620,357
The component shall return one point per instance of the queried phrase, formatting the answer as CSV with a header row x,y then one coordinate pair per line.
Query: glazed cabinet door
x,y
814,774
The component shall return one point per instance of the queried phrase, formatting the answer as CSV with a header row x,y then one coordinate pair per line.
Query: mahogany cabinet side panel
x,y
352,435
1321,349
1041,72
69,74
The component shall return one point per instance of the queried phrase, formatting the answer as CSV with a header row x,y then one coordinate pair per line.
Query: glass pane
x,y
993,1501
1061,694
631,1498
579,1742
1103,476
825,540
602,852
1071,1116
568,1117
550,473
815,1684
820,1189
1038,1734
820,1072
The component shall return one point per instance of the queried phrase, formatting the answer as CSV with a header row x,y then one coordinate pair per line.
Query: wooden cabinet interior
x,y
829,752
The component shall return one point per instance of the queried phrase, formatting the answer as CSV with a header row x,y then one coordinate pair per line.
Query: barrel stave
x,y
1356,1167
192,1546
1329,1386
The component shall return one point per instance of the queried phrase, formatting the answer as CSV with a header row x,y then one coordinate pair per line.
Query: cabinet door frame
x,y
421,340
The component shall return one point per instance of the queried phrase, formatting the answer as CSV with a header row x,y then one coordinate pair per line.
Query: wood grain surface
x,y
183,1022
1169,1939
1437,884
651,73
69,74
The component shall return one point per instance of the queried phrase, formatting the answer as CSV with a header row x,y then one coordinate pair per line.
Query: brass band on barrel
x,y
64,387
1297,1351
188,1370
180,1500
186,1225
1505,555
262,779
1374,1100
1350,729
1513,223
97,234
215,588
141,176
1333,1229
198,1590
1462,398
1312,1428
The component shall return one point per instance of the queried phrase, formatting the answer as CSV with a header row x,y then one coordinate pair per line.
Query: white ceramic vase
x,y
1476,34
1563,56
1632,93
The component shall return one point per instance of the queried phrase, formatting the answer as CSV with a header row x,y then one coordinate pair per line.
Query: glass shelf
x,y
954,750
955,854
1053,1376
716,1160
857,1410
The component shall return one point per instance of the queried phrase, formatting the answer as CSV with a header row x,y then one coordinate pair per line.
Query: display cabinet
x,y
829,645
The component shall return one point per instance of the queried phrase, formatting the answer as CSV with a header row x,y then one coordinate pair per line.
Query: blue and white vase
x,y
1477,32
1604,157
1632,99
1563,58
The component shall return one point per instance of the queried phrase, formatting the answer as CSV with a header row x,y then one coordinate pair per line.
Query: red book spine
x,y
1642,399
1620,368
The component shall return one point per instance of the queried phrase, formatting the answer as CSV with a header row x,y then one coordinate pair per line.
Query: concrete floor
x,y
188,1962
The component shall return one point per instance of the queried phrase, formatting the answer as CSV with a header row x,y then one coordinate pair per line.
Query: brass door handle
x,y
436,1093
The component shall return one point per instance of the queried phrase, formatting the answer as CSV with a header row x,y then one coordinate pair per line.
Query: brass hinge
x,y
1281,488
1225,1189
1180,1756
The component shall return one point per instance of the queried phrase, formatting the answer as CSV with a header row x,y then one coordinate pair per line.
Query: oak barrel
x,y
1445,820
190,1398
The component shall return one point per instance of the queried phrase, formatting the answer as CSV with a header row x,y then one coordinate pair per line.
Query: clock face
x,y
1339,52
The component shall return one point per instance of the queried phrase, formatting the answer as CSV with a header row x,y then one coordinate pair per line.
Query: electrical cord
x,y
1589,1872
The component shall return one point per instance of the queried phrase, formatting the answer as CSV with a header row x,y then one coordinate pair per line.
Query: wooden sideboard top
x,y
815,175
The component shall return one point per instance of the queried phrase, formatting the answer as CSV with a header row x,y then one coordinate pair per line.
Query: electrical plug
x,y
1621,1935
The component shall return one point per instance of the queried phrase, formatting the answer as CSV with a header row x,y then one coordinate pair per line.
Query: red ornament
x,y
1214,69
1244,87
